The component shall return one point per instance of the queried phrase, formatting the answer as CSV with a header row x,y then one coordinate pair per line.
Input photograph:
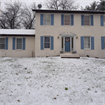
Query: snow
x,y
17,32
42,81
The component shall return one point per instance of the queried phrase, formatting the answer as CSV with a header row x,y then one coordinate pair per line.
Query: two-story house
x,y
61,32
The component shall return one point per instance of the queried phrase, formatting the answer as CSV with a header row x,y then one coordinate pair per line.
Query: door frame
x,y
63,35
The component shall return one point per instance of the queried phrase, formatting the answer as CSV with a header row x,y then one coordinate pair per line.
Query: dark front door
x,y
67,44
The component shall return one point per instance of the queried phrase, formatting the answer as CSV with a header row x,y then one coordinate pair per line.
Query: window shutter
x,y
82,42
102,20
52,43
102,43
82,20
62,19
52,19
6,43
13,47
92,20
42,42
72,20
24,43
41,19
92,43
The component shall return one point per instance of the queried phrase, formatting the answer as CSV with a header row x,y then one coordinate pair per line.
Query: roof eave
x,y
68,11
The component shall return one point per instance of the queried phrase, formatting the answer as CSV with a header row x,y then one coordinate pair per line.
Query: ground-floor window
x,y
47,42
2,43
19,43
87,43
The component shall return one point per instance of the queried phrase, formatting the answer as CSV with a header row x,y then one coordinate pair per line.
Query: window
x,y
87,42
46,42
104,20
19,43
47,19
86,20
67,19
2,43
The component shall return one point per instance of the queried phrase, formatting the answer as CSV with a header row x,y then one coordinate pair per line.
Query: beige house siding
x,y
28,52
95,31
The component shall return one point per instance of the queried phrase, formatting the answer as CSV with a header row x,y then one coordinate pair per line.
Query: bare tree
x,y
11,17
29,17
61,4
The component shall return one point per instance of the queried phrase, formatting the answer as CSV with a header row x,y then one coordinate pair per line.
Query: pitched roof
x,y
17,32
68,11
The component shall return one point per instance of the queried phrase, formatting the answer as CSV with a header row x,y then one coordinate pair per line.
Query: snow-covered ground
x,y
52,81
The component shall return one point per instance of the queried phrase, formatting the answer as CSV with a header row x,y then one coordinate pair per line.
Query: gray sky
x,y
80,2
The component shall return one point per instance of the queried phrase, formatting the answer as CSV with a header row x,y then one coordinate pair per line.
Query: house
x,y
17,43
61,32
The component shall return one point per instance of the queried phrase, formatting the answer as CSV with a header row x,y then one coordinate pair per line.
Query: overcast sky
x,y
80,2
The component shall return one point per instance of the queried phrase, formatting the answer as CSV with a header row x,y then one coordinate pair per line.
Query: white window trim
x,y
49,42
4,44
89,20
50,20
70,20
90,43
16,43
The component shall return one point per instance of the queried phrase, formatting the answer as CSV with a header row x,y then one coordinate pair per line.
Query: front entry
x,y
67,44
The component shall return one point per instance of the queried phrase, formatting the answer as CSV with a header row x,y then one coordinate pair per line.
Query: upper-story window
x,y
47,19
86,20
102,18
67,19
2,43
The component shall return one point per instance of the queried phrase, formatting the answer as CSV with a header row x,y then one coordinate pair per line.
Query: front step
x,y
69,55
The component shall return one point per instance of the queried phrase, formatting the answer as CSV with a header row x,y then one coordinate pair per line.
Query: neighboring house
x,y
62,32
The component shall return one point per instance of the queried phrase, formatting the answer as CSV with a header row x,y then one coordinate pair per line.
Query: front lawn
x,y
52,81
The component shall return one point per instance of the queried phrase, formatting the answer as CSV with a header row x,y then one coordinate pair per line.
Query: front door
x,y
67,44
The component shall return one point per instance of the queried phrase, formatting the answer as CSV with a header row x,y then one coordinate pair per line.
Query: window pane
x,y
2,46
86,23
47,45
19,46
67,17
86,39
47,39
67,22
87,45
19,40
2,40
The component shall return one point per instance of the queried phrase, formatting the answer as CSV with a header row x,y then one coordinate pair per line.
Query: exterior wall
x,y
47,30
29,48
